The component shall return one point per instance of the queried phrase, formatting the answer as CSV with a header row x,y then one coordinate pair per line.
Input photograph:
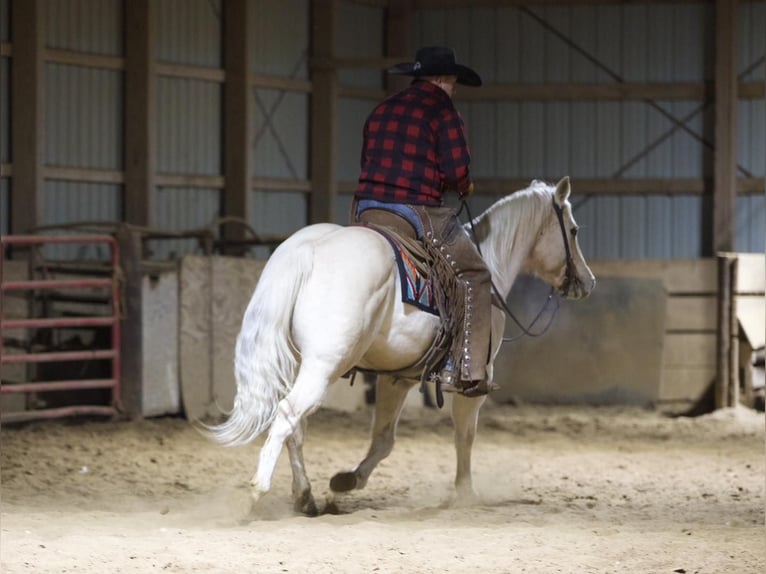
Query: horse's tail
x,y
265,358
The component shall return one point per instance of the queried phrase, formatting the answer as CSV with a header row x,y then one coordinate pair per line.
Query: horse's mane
x,y
517,215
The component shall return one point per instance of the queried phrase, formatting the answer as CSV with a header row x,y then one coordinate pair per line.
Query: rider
x,y
414,151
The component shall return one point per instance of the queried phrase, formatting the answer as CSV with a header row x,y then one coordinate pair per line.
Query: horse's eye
x,y
574,231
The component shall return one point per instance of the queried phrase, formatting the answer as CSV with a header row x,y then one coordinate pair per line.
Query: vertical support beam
x,y
324,103
140,112
132,339
399,26
725,335
725,162
28,114
236,119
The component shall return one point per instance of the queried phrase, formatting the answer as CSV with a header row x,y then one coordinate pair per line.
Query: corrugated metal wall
x,y
635,43
280,144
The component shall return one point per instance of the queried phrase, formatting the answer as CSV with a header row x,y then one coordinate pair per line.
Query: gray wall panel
x,y
751,45
659,223
359,34
84,119
5,110
751,224
352,115
92,26
280,134
751,130
189,32
5,17
73,202
182,209
5,193
280,34
189,126
278,213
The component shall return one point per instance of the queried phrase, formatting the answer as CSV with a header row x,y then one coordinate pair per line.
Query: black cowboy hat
x,y
437,61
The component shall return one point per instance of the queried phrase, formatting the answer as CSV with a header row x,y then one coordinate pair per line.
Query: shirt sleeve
x,y
454,157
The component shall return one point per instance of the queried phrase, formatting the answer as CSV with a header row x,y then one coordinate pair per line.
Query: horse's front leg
x,y
303,500
389,399
465,417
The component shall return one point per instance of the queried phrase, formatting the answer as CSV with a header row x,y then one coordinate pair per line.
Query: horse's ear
x,y
563,189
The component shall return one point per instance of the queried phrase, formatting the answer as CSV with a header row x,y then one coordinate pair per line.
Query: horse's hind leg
x,y
389,400
465,416
302,497
301,401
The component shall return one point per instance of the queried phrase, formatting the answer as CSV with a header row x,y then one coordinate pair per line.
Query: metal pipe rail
x,y
112,320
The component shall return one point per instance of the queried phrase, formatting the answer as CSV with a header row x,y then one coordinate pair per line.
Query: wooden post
x,y
27,115
236,118
324,102
725,155
140,112
724,336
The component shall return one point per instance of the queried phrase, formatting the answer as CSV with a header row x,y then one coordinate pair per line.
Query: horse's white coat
x,y
329,299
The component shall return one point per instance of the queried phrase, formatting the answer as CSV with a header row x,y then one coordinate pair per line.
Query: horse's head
x,y
556,257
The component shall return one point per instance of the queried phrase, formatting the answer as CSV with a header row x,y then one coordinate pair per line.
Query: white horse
x,y
329,300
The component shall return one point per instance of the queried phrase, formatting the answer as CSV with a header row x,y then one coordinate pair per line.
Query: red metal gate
x,y
109,284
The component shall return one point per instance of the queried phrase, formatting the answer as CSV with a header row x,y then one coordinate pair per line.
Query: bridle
x,y
569,278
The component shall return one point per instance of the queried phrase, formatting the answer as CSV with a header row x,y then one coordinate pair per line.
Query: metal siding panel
x,y
687,150
633,227
92,26
5,193
5,19
507,148
751,46
189,32
532,51
634,128
689,34
182,209
582,142
5,110
686,237
634,41
460,34
532,153
278,211
606,227
359,34
84,120
557,53
189,126
584,209
751,131
556,139
280,37
431,28
280,134
483,45
750,235
351,117
659,225
481,126
659,43
71,202
659,161
608,138
584,35
608,44
507,46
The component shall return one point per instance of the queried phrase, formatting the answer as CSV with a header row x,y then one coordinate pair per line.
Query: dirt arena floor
x,y
565,490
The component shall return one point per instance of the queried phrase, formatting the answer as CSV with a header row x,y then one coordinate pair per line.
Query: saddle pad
x,y
416,289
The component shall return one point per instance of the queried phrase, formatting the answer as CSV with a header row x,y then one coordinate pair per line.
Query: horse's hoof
x,y
306,505
344,481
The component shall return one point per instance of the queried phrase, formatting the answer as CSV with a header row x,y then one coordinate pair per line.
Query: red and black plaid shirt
x,y
414,148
